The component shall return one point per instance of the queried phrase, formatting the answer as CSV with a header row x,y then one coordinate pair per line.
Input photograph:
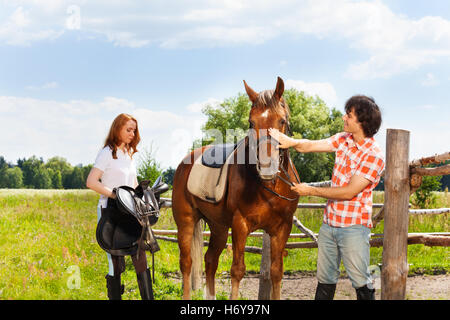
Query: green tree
x,y
230,114
35,174
148,168
85,172
56,177
424,196
3,168
77,180
41,178
59,164
13,178
310,119
168,176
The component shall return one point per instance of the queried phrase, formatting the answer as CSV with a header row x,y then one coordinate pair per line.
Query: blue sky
x,y
67,68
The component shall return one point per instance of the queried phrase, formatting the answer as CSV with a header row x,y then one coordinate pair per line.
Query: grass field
x,y
48,248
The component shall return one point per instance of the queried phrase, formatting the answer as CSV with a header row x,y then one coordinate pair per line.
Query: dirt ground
x,y
301,286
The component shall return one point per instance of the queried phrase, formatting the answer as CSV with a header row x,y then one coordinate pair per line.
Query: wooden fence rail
x,y
431,239
168,203
401,179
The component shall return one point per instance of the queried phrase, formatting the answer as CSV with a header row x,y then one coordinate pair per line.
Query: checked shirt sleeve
x,y
336,140
371,167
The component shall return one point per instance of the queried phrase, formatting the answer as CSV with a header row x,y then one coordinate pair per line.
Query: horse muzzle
x,y
268,167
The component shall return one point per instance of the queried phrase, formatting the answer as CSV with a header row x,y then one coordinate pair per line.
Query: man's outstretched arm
x,y
301,145
356,185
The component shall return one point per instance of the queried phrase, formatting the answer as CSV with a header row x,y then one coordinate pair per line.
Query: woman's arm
x,y
93,183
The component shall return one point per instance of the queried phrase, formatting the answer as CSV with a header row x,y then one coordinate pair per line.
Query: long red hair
x,y
113,138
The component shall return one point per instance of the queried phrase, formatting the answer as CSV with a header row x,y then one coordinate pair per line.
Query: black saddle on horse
x,y
217,155
125,224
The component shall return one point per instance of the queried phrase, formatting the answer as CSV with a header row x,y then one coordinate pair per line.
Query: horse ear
x,y
250,92
279,89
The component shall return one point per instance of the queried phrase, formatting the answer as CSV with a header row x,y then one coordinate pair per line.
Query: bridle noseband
x,y
281,165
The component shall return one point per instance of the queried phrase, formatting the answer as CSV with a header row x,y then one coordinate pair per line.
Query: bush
x,y
424,196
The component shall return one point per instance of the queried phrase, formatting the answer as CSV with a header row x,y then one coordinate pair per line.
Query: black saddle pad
x,y
216,155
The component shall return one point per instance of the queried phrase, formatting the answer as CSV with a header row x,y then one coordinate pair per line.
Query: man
x,y
345,232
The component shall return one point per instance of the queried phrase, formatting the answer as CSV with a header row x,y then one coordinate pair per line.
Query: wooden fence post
x,y
197,257
265,282
395,244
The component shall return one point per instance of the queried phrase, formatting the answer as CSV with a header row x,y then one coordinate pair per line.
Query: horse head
x,y
269,110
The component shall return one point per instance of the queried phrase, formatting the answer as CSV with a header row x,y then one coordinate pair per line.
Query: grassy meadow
x,y
48,248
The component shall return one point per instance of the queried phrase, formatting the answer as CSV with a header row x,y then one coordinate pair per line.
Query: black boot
x,y
144,281
364,293
325,291
115,289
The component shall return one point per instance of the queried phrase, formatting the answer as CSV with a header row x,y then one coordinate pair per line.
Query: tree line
x,y
58,173
35,173
310,118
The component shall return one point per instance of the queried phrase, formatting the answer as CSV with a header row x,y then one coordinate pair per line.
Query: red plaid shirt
x,y
364,159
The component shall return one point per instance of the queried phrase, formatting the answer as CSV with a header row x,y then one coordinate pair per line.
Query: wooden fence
x,y
402,178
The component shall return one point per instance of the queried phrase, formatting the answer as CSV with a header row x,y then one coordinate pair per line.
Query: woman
x,y
114,167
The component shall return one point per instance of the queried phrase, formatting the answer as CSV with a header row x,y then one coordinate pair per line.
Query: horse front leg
x,y
239,234
277,245
185,235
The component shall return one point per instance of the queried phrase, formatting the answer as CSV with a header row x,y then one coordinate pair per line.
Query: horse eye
x,y
283,122
252,125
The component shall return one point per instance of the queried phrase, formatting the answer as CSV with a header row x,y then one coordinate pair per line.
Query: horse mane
x,y
265,98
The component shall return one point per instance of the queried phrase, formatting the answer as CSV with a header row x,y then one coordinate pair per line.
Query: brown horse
x,y
257,196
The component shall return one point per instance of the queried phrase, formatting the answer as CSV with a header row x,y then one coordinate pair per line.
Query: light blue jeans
x,y
111,266
349,244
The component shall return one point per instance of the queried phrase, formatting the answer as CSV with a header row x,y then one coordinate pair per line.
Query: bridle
x,y
282,158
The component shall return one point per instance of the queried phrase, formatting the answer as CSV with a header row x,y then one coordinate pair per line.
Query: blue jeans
x,y
349,244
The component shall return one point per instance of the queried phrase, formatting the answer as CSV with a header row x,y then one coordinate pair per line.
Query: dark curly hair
x,y
367,112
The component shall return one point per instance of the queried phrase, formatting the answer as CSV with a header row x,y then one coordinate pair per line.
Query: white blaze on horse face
x,y
265,114
268,164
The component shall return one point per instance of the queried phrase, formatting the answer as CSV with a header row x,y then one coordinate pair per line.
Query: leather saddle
x,y
216,155
208,177
125,225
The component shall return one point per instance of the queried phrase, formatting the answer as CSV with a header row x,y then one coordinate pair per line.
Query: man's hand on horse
x,y
302,189
284,140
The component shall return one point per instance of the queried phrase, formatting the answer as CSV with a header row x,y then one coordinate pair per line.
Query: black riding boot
x,y
115,289
364,293
325,291
144,280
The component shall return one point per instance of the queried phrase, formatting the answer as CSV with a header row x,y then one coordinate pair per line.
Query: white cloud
x,y
427,107
47,85
76,129
324,90
430,81
392,43
21,29
424,141
198,106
